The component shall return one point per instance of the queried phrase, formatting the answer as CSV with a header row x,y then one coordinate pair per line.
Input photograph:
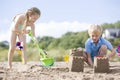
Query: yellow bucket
x,y
66,58
20,53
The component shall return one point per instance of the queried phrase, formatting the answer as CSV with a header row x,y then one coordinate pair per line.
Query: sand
x,y
59,71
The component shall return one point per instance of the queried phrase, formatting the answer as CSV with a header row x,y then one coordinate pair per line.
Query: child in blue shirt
x,y
96,45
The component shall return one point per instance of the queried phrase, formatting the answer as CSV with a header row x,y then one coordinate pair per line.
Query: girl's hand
x,y
17,32
27,31
35,40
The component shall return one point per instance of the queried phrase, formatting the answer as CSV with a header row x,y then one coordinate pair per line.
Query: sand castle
x,y
101,65
76,60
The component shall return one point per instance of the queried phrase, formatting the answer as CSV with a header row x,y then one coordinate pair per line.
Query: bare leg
x,y
12,46
102,50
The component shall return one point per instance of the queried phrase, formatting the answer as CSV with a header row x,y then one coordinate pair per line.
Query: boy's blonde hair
x,y
95,28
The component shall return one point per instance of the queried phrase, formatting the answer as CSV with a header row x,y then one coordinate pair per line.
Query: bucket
x,y
66,58
47,61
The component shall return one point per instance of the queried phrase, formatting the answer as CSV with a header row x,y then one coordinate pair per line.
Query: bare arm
x,y
33,30
90,60
112,53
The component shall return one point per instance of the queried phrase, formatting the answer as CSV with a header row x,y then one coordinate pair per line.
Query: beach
x,y
59,71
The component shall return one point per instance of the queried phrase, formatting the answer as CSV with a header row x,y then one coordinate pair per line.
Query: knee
x,y
12,49
104,47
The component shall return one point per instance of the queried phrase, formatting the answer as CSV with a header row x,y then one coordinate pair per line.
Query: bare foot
x,y
9,68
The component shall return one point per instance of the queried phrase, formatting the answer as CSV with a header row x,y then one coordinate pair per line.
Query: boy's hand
x,y
91,66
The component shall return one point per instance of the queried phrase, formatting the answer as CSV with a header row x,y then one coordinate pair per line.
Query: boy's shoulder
x,y
103,39
88,41
106,42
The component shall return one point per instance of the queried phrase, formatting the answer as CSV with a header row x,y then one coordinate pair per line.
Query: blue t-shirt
x,y
92,48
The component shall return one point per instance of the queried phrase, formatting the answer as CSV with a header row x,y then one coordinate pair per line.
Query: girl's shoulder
x,y
19,18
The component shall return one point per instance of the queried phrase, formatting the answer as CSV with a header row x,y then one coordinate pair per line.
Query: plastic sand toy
x,y
118,50
66,58
46,61
19,48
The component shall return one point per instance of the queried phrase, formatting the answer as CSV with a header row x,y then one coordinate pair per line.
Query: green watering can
x,y
46,61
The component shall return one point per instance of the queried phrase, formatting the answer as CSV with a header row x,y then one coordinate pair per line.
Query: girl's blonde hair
x,y
97,29
31,10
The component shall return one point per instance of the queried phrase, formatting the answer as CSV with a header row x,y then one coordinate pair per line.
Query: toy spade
x,y
46,61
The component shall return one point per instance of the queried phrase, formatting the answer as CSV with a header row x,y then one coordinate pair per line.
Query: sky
x,y
60,16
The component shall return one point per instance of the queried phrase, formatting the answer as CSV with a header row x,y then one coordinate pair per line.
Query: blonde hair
x,y
97,29
31,10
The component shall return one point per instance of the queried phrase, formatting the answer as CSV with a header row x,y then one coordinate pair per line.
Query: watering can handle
x,y
40,50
